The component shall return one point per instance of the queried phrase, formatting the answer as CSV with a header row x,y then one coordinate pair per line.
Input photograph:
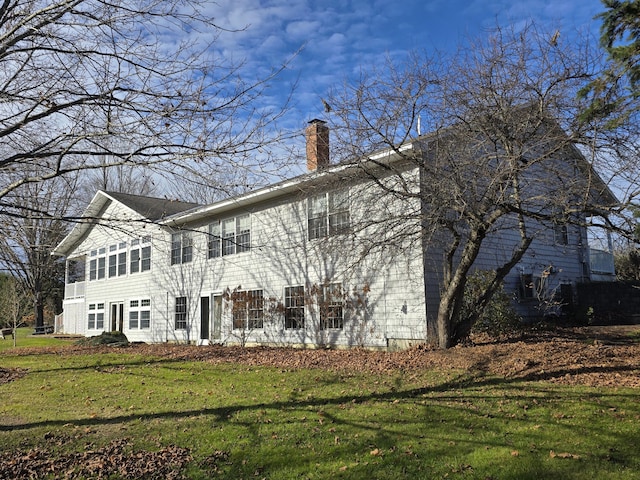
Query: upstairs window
x,y
181,248
97,264
213,245
328,214
140,255
229,236
118,259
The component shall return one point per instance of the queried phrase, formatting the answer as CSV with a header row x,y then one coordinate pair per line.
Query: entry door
x,y
217,316
204,318
117,316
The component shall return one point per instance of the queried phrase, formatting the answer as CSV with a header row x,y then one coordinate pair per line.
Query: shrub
x,y
498,317
627,264
106,338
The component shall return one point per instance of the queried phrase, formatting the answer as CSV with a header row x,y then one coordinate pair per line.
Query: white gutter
x,y
274,191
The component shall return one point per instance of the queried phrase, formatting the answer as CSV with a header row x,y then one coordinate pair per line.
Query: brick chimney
x,y
317,134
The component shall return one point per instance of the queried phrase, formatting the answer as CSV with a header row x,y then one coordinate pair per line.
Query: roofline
x,y
87,220
279,189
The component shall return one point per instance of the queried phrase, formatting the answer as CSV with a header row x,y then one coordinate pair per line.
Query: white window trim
x,y
323,222
138,307
185,241
245,311
222,243
96,310
291,304
327,306
95,258
139,245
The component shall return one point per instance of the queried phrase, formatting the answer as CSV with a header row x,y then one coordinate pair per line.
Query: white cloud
x,y
303,30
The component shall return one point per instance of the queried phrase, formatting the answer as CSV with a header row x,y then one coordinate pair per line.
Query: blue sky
x,y
340,37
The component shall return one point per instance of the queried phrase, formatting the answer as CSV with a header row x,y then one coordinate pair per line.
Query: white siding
x,y
380,262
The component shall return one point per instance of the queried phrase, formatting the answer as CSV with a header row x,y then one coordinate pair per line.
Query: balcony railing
x,y
74,290
601,262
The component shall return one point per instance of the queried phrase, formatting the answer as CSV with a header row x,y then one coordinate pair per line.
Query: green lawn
x,y
24,338
256,422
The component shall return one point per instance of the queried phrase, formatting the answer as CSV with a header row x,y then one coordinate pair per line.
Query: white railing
x,y
74,290
58,326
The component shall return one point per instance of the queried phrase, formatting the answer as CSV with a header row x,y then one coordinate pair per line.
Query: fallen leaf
x,y
553,454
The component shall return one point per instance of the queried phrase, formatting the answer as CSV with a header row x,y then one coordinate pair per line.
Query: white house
x,y
282,265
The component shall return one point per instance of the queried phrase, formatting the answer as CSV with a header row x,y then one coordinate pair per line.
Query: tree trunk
x,y
447,311
39,310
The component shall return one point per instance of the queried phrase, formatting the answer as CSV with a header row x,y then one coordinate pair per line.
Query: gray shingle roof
x,y
152,208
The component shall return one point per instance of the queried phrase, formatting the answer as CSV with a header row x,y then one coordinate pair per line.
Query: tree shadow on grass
x,y
464,380
442,412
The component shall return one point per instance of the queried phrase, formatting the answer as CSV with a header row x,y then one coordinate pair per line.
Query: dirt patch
x,y
592,356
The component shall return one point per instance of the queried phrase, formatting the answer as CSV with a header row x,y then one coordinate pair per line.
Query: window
x,y
530,286
229,236
248,309
95,319
139,314
331,307
145,313
113,260
294,307
122,263
93,269
91,325
561,234
181,248
140,255
134,314
181,313
134,257
101,265
338,212
328,214
97,264
214,240
243,234
117,259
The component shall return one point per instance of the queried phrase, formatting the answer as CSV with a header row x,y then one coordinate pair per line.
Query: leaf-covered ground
x,y
591,356
595,356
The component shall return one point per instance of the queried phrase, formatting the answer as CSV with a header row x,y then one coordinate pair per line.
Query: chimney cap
x,y
316,120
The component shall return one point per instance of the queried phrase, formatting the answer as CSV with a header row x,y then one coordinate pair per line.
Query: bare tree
x,y
498,168
31,231
130,179
102,83
11,304
110,91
